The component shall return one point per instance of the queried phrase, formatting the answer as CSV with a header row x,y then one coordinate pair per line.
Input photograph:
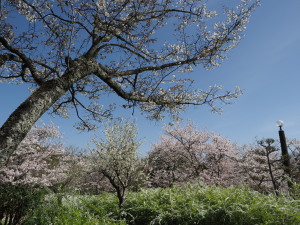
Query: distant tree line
x,y
112,164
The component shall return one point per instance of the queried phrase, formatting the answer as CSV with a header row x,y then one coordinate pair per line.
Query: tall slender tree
x,y
262,167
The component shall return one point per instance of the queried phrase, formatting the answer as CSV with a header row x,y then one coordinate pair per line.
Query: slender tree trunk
x,y
23,118
275,185
121,197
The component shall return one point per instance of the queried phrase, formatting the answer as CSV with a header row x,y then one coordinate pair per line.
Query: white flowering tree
x,y
115,156
95,47
185,154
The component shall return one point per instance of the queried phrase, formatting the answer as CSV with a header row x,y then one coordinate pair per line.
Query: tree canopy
x,y
72,48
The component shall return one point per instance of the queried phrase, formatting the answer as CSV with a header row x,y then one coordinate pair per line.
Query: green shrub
x,y
18,201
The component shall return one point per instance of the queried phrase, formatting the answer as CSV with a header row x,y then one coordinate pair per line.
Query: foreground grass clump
x,y
62,209
178,205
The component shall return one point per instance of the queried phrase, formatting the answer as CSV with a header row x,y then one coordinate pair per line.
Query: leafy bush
x,y
17,202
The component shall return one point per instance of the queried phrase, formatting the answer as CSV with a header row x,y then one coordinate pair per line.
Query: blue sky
x,y
265,65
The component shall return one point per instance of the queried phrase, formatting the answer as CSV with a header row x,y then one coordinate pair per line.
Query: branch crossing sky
x,y
265,65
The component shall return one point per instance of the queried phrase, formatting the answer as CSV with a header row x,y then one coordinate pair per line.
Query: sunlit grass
x,y
178,205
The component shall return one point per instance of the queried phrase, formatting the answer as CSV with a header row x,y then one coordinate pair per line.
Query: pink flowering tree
x,y
222,162
93,182
75,53
294,150
185,154
39,159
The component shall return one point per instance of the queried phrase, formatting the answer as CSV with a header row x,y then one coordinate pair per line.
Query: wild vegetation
x,y
189,177
177,206
76,53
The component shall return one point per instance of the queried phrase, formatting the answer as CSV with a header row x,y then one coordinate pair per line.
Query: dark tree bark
x,y
21,120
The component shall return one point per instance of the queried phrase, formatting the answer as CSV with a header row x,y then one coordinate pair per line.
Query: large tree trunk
x,y
23,118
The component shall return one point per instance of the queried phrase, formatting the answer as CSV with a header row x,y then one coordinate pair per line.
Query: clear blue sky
x,y
266,65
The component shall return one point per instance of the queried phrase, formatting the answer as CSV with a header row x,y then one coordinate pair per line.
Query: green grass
x,y
62,209
210,205
178,205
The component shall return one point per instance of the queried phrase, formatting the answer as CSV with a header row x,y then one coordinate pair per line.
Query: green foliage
x,y
176,206
295,191
17,202
209,205
62,209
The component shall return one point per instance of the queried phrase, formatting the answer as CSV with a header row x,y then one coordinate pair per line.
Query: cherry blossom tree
x,y
39,159
93,182
95,47
185,154
115,157
222,162
294,150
